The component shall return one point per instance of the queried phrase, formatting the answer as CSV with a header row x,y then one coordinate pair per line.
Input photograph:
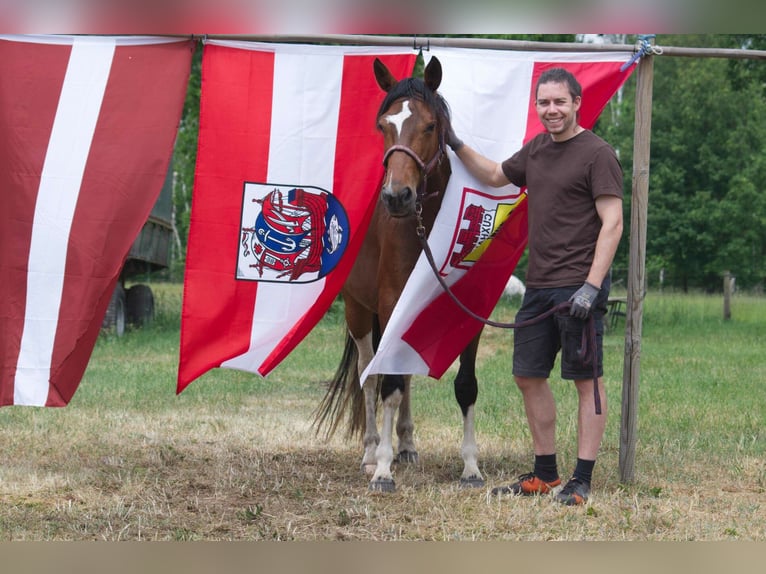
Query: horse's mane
x,y
416,88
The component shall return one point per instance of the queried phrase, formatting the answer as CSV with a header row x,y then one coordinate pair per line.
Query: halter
x,y
425,168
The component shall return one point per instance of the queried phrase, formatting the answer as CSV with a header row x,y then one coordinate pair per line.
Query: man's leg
x,y
590,431
540,408
590,426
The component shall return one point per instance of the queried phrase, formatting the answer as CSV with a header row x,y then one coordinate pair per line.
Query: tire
x,y
116,312
140,305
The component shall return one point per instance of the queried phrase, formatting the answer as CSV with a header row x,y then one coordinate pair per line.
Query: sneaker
x,y
575,492
527,485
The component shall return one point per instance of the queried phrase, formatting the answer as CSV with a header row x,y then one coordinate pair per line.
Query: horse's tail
x,y
342,390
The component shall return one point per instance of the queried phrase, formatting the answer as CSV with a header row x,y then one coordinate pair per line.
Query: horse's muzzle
x,y
400,203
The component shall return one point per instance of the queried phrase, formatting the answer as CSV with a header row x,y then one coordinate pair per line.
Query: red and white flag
x,y
490,94
288,171
87,127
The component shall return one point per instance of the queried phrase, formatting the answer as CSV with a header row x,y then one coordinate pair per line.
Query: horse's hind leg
x,y
404,428
371,437
466,391
391,392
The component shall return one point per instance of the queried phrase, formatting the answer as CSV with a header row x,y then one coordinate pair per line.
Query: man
x,y
574,187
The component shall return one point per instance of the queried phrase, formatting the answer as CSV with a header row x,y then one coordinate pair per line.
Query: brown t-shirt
x,y
563,179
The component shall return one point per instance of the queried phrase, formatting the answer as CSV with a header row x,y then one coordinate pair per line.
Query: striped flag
x,y
288,171
490,94
87,126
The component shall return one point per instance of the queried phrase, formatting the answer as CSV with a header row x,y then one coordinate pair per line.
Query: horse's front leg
x,y
466,391
404,428
391,392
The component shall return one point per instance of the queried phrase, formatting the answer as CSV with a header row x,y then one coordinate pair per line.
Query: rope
x,y
644,47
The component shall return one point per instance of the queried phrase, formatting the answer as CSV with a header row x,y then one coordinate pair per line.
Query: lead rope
x,y
587,351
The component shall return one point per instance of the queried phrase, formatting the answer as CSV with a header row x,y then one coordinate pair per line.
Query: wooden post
x,y
636,268
726,295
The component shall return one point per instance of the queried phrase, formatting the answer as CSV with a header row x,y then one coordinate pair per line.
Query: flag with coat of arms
x,y
288,171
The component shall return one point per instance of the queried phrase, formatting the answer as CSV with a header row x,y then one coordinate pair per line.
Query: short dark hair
x,y
560,76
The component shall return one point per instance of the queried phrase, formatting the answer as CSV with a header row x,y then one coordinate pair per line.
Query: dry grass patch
x,y
261,474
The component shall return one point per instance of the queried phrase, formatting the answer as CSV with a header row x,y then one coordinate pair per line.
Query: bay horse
x,y
413,119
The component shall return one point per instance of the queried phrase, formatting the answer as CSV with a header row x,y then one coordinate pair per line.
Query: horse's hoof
x,y
407,457
383,485
472,482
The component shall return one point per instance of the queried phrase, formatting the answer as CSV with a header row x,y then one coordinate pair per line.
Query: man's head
x,y
560,76
557,100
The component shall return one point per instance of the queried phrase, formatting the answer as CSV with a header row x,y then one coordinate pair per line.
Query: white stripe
x,y
78,109
306,105
488,98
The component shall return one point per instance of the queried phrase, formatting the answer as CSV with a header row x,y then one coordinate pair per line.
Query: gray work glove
x,y
582,300
452,140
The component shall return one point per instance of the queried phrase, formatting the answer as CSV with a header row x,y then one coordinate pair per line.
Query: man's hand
x,y
452,140
582,300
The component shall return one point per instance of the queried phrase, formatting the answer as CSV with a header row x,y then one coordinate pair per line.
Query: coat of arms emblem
x,y
289,233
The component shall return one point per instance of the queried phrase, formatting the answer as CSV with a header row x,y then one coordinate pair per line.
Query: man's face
x,y
556,110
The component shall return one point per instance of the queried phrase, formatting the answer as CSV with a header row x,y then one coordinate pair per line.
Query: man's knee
x,y
525,383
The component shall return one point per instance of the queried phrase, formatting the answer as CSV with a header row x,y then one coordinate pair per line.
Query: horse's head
x,y
413,119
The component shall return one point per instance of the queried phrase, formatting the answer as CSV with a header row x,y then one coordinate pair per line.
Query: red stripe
x,y
357,177
235,121
126,167
28,101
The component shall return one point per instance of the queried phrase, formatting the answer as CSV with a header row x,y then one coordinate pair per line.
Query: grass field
x,y
234,456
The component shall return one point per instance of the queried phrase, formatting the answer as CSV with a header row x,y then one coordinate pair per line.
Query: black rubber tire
x,y
116,313
140,300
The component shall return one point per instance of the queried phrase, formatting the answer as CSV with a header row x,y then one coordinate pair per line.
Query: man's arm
x,y
609,208
487,171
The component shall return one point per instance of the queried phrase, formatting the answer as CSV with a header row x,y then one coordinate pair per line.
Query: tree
x,y
185,156
708,139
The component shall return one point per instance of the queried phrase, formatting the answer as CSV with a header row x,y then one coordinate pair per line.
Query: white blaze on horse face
x,y
398,119
387,183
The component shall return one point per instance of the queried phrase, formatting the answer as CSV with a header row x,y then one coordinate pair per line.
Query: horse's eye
x,y
379,127
430,127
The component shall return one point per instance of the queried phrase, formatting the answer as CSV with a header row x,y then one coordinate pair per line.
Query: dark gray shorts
x,y
535,347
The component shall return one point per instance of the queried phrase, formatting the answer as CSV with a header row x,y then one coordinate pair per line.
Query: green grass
x,y
234,455
702,382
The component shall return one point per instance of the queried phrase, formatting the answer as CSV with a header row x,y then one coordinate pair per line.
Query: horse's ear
x,y
383,75
433,74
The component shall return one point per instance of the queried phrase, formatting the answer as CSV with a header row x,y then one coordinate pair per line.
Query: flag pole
x,y
485,43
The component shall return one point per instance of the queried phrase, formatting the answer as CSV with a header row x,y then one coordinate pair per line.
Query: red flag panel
x,y
100,179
